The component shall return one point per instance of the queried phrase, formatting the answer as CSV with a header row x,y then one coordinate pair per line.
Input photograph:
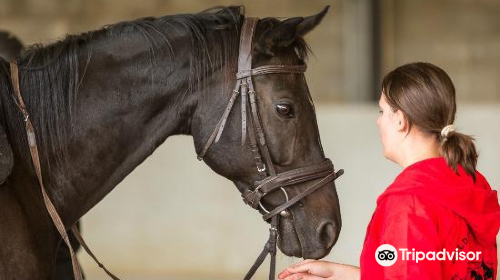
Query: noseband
x,y
250,121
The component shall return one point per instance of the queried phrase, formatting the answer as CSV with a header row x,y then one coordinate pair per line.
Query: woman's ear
x,y
6,156
401,121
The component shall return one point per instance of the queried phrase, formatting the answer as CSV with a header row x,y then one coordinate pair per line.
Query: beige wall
x,y
463,37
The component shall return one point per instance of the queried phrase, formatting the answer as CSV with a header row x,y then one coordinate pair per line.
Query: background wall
x,y
137,230
461,36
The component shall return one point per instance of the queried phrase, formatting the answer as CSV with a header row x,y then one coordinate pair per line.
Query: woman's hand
x,y
316,270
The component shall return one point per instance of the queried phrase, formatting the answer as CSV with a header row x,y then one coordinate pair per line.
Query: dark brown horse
x,y
103,101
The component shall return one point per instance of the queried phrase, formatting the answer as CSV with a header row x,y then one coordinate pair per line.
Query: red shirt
x,y
430,208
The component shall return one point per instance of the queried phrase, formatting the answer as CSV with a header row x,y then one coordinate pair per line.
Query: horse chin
x,y
294,244
289,242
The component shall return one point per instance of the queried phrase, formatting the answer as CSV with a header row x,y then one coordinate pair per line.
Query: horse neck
x,y
127,106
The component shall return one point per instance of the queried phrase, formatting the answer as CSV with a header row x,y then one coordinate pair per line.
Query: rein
x,y
35,157
250,121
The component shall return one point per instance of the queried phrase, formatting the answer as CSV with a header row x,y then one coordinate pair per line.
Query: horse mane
x,y
50,75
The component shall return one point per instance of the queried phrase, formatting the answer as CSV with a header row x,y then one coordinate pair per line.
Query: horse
x,y
102,101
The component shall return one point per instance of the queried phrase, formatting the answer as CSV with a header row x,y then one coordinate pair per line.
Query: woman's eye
x,y
381,112
284,110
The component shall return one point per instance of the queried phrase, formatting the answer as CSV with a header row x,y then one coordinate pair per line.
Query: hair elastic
x,y
446,130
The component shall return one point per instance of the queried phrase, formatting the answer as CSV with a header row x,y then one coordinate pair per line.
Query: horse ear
x,y
311,22
287,31
6,157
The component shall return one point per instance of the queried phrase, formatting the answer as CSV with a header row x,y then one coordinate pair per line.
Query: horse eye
x,y
284,110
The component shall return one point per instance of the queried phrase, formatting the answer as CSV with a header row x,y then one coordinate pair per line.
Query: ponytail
x,y
426,96
458,148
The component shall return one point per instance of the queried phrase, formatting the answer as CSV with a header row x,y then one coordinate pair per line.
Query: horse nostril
x,y
327,234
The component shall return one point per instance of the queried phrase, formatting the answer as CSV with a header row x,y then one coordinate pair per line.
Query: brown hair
x,y
426,96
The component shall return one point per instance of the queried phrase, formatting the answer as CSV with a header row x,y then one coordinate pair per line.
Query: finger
x,y
283,274
286,272
317,268
303,276
298,276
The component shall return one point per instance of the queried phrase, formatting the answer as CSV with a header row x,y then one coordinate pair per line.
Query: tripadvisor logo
x,y
386,255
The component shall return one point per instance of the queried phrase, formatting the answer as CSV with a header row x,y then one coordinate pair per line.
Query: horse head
x,y
285,109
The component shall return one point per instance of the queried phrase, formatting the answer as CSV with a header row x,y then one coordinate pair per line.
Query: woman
x,y
439,202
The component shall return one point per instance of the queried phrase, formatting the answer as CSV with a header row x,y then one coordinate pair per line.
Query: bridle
x,y
264,164
250,121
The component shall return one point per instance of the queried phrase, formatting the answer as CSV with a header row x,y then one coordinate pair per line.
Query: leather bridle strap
x,y
288,178
82,242
272,69
296,176
308,191
258,130
221,123
56,219
30,132
269,248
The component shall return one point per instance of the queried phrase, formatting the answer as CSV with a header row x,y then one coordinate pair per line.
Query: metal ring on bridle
x,y
286,197
262,169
